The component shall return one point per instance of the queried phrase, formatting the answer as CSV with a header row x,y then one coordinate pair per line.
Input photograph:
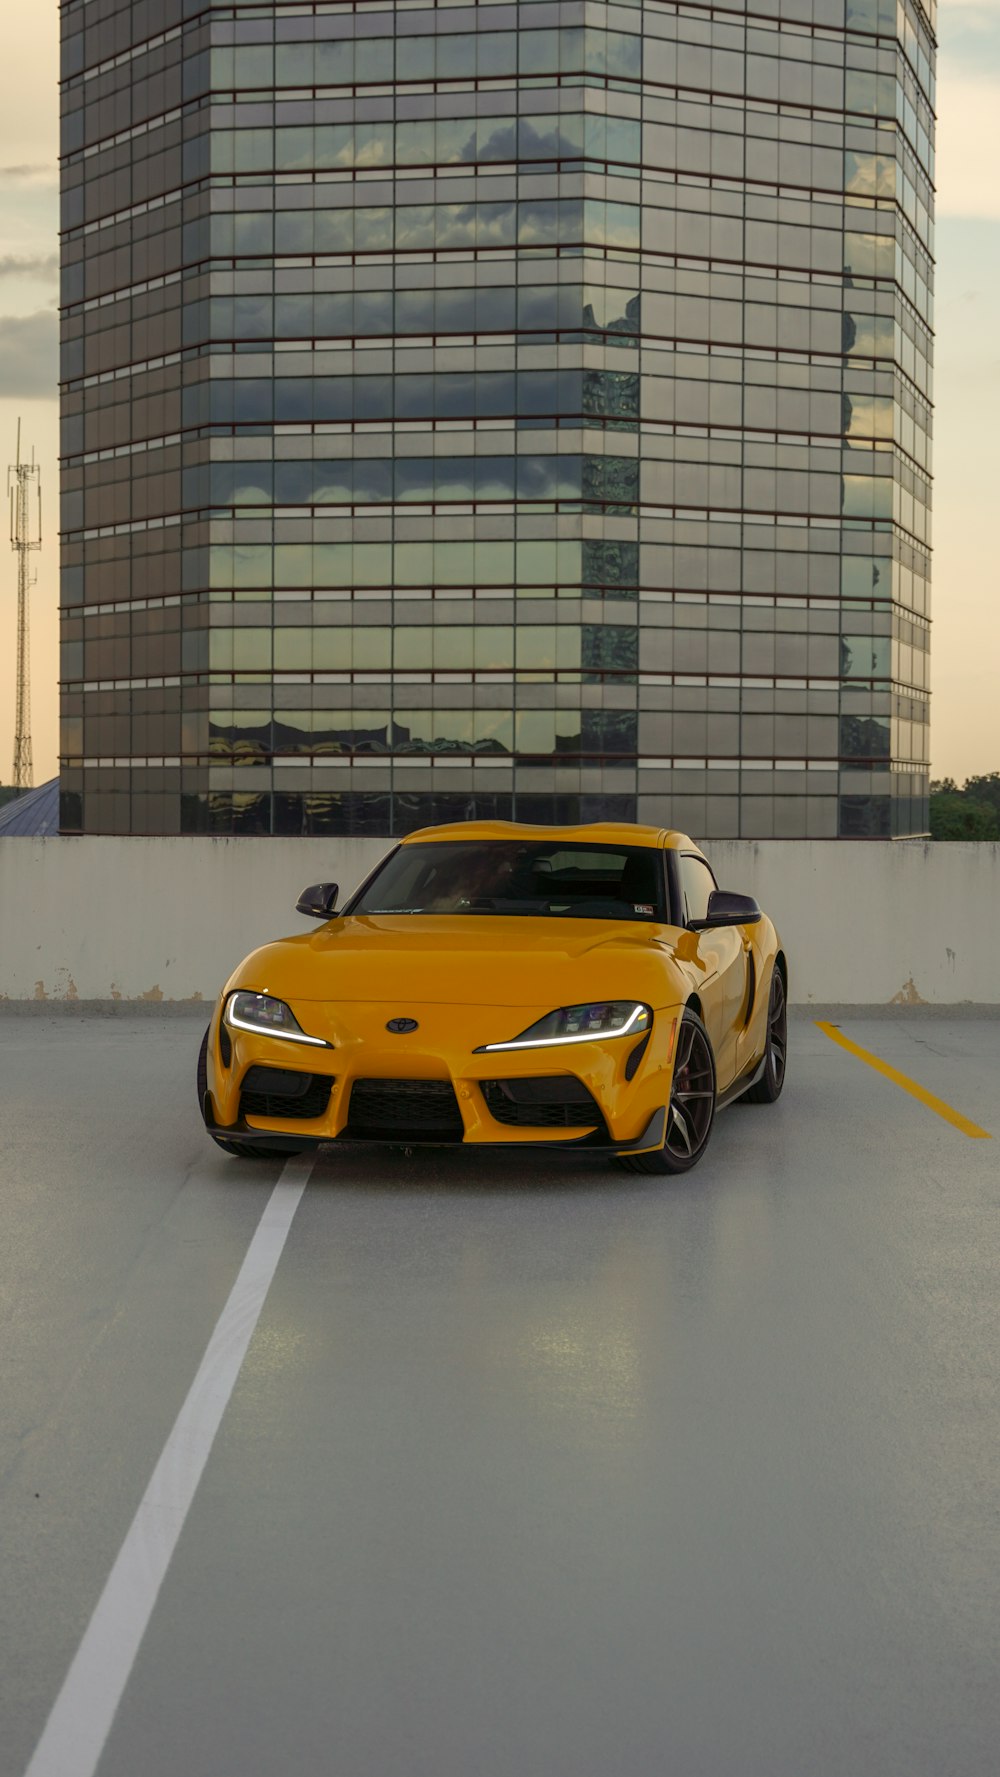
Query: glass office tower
x,y
497,410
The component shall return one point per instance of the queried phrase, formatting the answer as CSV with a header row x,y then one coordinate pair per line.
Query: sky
x,y
965,653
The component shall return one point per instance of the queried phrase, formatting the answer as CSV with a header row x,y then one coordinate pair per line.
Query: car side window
x,y
697,883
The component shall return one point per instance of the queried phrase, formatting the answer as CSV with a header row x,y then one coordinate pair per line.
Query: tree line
x,y
972,812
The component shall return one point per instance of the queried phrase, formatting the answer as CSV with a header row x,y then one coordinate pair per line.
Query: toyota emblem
x,y
401,1027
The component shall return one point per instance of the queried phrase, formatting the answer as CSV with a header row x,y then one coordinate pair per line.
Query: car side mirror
x,y
319,901
727,909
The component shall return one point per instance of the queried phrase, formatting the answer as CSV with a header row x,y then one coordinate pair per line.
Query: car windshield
x,y
535,879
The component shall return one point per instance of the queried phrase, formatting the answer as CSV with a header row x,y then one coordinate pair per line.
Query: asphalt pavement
x,y
524,1467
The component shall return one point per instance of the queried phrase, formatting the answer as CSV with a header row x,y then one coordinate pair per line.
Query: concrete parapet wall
x,y
876,923
153,919
864,923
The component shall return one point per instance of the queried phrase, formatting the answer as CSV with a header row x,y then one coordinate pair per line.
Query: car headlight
x,y
580,1024
266,1016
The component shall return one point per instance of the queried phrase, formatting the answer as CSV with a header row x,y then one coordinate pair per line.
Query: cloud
x,y
969,38
957,11
29,355
38,170
968,105
38,265
975,16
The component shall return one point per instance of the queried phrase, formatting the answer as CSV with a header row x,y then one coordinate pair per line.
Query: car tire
x,y
243,1150
203,1074
691,1110
768,1087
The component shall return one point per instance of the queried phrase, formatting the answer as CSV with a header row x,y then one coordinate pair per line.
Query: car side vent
x,y
751,988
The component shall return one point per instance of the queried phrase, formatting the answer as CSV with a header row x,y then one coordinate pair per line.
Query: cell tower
x,y
23,479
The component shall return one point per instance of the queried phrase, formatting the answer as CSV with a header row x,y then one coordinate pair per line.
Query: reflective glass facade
x,y
515,410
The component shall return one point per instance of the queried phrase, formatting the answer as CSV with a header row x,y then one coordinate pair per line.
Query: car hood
x,y
467,960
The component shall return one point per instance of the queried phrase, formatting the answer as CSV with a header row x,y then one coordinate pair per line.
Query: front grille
x,y
547,1102
281,1092
415,1110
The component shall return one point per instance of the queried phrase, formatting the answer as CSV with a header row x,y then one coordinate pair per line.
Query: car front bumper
x,y
606,1093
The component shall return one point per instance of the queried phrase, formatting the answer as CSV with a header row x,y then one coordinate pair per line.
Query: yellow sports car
x,y
506,986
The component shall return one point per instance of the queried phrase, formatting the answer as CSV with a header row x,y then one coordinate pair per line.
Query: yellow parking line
x,y
908,1085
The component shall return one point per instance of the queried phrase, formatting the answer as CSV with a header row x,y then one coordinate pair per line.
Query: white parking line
x,y
78,1727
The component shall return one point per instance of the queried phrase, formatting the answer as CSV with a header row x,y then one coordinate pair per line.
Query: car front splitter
x,y
651,1138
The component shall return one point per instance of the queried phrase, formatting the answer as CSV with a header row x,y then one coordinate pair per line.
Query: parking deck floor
x,y
531,1468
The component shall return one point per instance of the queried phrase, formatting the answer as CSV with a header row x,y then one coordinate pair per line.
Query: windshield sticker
x,y
641,907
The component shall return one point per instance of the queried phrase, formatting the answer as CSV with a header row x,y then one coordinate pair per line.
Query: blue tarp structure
x,y
32,814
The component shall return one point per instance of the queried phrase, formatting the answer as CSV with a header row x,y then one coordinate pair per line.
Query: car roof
x,y
597,833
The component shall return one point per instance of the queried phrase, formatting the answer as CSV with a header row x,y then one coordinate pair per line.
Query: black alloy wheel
x,y
691,1111
768,1087
243,1150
